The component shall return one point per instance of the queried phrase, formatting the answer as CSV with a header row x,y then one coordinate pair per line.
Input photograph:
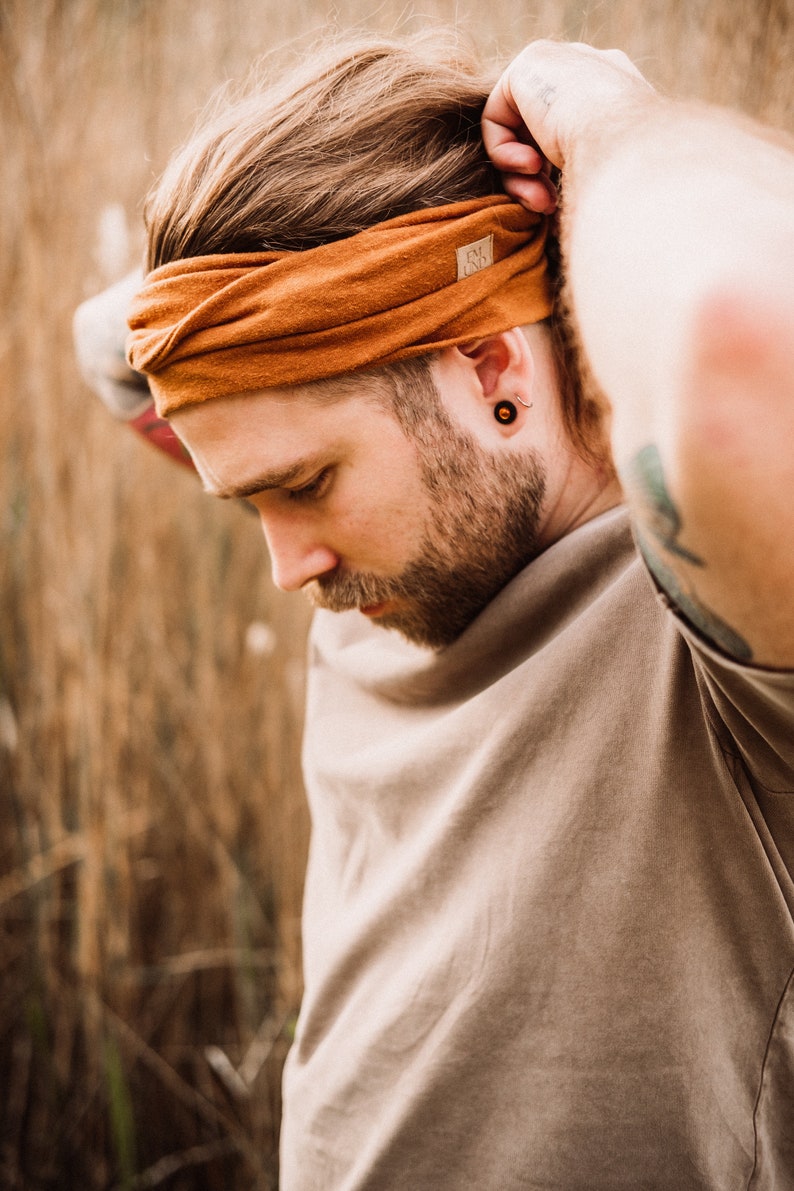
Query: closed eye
x,y
315,489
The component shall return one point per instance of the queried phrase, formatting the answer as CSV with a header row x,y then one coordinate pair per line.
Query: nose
x,y
295,554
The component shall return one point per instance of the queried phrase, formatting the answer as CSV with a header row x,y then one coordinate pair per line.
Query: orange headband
x,y
213,326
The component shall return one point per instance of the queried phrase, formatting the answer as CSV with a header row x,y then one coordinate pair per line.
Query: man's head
x,y
361,132
366,138
397,491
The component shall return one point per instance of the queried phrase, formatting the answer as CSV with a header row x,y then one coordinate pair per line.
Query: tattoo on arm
x,y
662,517
661,525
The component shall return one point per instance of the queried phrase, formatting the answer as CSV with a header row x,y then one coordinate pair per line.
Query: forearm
x,y
680,261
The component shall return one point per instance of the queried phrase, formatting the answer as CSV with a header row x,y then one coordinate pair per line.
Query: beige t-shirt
x,y
548,918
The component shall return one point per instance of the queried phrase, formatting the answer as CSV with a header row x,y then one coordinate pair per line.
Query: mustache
x,y
343,592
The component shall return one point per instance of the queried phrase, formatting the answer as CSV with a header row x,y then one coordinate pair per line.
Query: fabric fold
x,y
213,326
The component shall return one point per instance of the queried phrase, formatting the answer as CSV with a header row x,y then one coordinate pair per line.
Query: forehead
x,y
234,439
362,386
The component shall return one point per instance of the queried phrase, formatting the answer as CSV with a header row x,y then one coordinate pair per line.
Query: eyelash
x,y
315,489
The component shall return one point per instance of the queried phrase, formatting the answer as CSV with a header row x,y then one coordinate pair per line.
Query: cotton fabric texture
x,y
213,326
548,918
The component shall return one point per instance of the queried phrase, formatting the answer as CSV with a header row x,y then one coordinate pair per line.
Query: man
x,y
548,921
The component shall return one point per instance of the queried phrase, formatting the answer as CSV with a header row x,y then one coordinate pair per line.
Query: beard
x,y
483,530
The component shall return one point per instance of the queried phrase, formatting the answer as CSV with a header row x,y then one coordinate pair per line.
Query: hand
x,y
552,96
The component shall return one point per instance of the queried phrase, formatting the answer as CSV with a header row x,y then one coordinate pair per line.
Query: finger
x,y
501,119
516,157
536,193
500,107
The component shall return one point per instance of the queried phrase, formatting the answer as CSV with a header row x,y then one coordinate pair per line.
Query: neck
x,y
581,494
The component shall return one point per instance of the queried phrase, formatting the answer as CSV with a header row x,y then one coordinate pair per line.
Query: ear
x,y
504,366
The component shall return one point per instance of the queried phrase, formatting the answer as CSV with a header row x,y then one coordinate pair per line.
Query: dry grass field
x,y
152,825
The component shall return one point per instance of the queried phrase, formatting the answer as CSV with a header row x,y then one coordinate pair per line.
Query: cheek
x,y
383,528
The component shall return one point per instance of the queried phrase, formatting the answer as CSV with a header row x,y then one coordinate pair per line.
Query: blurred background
x,y
152,824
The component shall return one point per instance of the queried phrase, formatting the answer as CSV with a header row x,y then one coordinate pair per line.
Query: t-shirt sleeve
x,y
99,329
752,711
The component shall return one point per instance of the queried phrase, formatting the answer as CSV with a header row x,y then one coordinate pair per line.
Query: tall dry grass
x,y
152,826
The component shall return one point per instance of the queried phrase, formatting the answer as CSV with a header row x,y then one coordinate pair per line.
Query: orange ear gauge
x,y
505,412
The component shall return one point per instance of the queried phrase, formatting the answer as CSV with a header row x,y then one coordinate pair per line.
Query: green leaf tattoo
x,y
662,517
661,520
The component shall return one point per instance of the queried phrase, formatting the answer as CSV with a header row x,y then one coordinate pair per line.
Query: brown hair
x,y
363,131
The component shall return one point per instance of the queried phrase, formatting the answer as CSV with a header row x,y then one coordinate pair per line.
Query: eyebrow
x,y
275,478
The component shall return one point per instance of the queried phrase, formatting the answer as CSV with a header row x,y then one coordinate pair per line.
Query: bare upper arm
x,y
683,283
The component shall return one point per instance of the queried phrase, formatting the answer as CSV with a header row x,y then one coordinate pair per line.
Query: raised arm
x,y
678,236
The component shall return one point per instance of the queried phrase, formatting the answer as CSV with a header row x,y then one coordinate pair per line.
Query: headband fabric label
x,y
473,257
